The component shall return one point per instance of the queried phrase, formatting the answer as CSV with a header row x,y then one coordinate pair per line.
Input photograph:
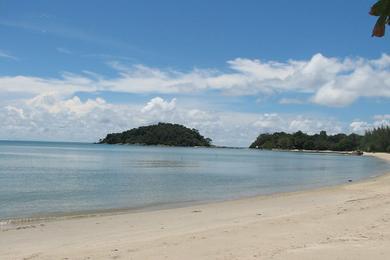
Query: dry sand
x,y
349,221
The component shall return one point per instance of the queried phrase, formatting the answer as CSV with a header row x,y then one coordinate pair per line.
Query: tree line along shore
x,y
374,140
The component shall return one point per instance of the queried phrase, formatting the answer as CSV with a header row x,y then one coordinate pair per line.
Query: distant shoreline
x,y
320,151
211,146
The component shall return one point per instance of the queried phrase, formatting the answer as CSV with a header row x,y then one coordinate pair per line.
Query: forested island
x,y
375,140
159,134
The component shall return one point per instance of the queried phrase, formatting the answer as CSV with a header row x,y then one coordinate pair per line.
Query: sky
x,y
77,70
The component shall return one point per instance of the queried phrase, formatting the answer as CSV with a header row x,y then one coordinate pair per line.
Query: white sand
x,y
349,221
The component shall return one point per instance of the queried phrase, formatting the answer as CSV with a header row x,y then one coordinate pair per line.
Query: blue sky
x,y
73,70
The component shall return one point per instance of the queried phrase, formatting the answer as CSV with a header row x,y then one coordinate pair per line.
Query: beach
x,y
349,221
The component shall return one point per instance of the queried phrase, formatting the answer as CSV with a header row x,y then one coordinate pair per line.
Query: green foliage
x,y
381,9
160,134
375,140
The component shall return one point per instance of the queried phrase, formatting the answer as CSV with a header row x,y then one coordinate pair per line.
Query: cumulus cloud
x,y
288,101
53,105
47,117
360,127
50,117
50,108
382,118
158,104
327,81
159,110
65,86
293,123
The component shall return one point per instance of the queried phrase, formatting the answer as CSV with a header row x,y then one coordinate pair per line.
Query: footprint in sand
x,y
115,253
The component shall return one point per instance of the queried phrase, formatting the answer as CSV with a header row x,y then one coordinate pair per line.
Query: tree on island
x,y
159,134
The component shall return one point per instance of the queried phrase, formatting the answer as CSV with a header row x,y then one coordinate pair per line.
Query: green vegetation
x,y
381,9
376,140
160,134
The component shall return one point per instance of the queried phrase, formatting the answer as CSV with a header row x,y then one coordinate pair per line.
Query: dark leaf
x,y
377,9
379,28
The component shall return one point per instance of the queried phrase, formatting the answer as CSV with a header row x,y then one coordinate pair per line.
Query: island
x,y
159,134
374,140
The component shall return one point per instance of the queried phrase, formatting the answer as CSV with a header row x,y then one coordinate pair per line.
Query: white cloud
x,y
327,81
49,108
293,123
47,117
50,117
157,109
159,104
360,127
288,101
267,122
382,117
53,105
67,85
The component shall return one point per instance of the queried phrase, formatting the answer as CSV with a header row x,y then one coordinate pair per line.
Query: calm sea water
x,y
40,179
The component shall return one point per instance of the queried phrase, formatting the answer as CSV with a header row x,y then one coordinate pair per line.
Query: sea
x,y
43,179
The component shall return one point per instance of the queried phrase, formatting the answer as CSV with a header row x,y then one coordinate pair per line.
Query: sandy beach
x,y
350,221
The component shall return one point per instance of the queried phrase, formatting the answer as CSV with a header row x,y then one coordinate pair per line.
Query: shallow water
x,y
40,178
